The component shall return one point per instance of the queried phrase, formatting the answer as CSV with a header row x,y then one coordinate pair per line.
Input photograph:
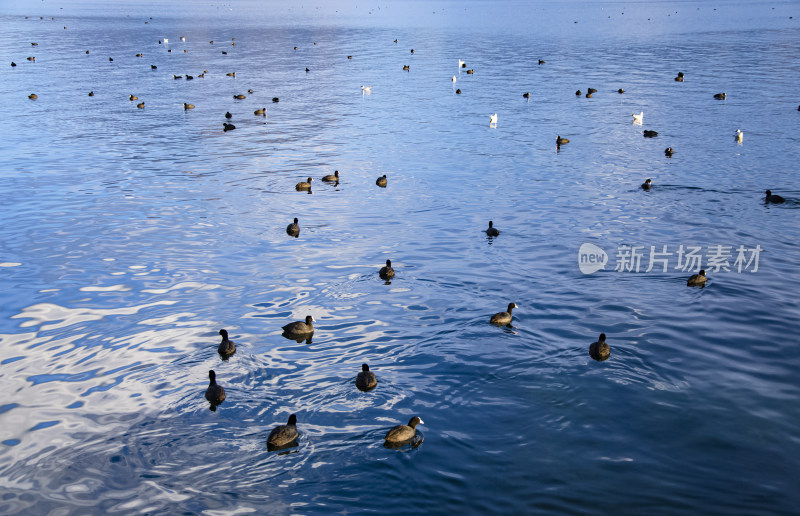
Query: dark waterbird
x,y
275,99
526,95
240,96
228,115
492,231
386,272
599,350
720,96
578,93
650,134
226,346
669,151
458,92
503,318
773,198
303,185
227,127
697,280
293,229
561,141
403,433
188,106
366,380
260,112
332,178
300,327
215,394
381,181
283,436
647,184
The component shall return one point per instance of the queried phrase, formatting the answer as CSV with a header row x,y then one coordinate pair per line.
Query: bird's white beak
x,y
421,422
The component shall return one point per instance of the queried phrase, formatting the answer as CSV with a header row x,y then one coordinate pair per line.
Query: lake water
x,y
130,236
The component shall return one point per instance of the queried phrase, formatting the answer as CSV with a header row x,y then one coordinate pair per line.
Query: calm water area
x,y
130,236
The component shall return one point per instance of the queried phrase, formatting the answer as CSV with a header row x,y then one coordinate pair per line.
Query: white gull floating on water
x,y
493,119
637,119
366,90
739,135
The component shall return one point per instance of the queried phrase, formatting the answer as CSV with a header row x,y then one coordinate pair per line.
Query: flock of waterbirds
x,y
285,436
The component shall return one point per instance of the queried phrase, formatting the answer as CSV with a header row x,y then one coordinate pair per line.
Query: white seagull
x,y
453,79
493,119
739,135
366,90
637,119
461,64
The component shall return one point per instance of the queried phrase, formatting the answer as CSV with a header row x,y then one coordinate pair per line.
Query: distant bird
x,y
470,71
231,74
110,59
33,96
542,61
140,105
599,350
720,96
620,91
133,97
697,280
275,99
637,119
332,178
680,74
15,64
283,435
228,115
226,347
227,127
647,184
412,50
503,318
650,134
189,78
669,151
578,93
458,92
153,67
303,185
493,119
679,78
366,90
300,327
381,181
386,272
33,59
403,433
224,53
461,64
772,198
293,229
739,135
366,380
307,70
262,111
240,97
176,77
349,57
492,231
526,95
215,393
91,94
188,106
406,67
588,94
183,38
139,55
561,141
591,90
34,44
